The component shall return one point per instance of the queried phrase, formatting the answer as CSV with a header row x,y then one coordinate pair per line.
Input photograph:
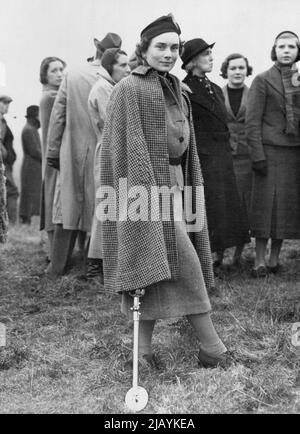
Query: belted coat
x,y
137,254
72,139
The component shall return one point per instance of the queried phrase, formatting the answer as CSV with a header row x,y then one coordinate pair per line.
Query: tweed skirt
x,y
275,201
242,167
175,298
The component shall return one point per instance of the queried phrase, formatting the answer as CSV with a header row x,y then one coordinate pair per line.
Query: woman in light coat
x,y
51,75
148,144
115,67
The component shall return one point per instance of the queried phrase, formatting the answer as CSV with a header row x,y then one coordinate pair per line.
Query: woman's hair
x,y
109,66
285,35
191,64
234,56
143,46
45,66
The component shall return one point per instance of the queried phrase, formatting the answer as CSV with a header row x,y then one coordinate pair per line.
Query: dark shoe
x,y
94,269
223,361
25,220
275,269
259,272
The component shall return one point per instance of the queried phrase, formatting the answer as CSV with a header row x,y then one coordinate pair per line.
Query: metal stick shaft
x,y
136,318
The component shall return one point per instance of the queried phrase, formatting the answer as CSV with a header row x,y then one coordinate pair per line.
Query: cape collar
x,y
145,70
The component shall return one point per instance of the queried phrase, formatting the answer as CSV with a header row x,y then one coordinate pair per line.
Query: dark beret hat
x,y
192,48
164,24
111,40
32,111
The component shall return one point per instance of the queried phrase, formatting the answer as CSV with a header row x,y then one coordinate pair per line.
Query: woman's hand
x,y
53,162
260,167
3,152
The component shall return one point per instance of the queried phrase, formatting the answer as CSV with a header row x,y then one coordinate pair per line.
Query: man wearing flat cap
x,y
8,157
70,149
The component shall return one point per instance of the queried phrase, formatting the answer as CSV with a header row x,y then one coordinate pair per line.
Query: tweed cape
x,y
138,254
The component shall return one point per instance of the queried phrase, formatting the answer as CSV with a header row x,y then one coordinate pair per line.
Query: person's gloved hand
x,y
260,167
53,162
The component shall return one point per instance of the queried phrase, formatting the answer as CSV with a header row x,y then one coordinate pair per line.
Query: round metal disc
x,y
136,399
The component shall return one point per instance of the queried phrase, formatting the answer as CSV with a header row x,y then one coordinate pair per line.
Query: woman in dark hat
x,y
51,75
235,69
226,223
31,171
148,141
272,124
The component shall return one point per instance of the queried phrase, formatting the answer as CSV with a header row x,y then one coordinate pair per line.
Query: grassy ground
x,y
67,343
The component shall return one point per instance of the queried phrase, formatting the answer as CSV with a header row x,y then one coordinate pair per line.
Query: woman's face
x,y
55,73
121,69
204,61
286,50
163,52
237,71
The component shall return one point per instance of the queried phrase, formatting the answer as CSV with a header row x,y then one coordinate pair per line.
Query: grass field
x,y
67,343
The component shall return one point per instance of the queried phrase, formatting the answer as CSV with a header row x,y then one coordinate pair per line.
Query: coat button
x,y
181,139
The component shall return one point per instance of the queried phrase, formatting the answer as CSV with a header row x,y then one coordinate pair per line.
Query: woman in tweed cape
x,y
147,133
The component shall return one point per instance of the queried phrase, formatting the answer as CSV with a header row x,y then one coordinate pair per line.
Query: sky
x,y
34,29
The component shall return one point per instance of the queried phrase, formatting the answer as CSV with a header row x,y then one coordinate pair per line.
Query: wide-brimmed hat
x,y
192,48
5,98
111,40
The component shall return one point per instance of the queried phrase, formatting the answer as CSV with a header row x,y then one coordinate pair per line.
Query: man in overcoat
x,y
71,149
9,157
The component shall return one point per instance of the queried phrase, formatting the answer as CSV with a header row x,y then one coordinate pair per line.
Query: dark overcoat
x,y
31,171
226,221
138,254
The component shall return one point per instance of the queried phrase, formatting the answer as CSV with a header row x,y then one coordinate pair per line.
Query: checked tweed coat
x,y
138,254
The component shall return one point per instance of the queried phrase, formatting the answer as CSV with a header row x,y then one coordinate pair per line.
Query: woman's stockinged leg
x,y
260,249
275,251
145,337
206,333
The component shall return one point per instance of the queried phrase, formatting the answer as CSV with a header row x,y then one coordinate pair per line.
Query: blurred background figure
x,y
272,126
31,171
235,69
3,210
9,157
51,75
115,67
71,149
226,222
